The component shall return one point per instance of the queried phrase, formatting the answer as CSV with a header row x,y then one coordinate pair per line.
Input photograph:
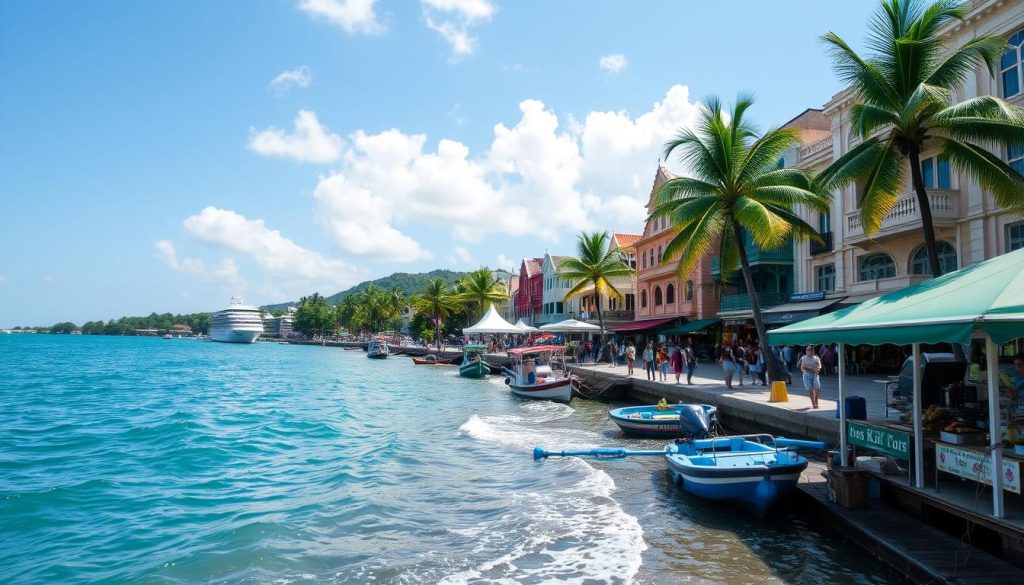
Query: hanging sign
x,y
976,466
882,440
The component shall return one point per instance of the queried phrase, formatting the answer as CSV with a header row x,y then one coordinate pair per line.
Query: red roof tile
x,y
625,240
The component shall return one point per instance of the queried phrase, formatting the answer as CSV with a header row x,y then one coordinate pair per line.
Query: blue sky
x,y
149,161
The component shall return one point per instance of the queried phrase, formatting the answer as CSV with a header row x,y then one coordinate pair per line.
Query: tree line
x,y
198,322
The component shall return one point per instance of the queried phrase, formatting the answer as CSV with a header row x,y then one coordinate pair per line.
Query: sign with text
x,y
882,440
976,466
808,296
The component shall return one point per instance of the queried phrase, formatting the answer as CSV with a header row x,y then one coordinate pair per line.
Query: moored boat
x,y
532,374
666,420
433,360
473,364
377,349
752,470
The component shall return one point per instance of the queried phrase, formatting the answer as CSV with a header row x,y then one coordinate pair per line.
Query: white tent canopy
x,y
492,323
526,328
570,326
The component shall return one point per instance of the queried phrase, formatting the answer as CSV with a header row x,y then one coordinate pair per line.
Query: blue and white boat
x,y
666,421
752,470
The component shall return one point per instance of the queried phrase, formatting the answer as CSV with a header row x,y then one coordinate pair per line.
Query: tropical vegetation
x,y
592,270
904,92
481,288
439,301
736,188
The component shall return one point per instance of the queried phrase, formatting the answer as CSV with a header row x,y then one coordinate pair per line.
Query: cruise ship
x,y
238,323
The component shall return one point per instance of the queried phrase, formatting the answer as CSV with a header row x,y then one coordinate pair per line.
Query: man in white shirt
x,y
810,365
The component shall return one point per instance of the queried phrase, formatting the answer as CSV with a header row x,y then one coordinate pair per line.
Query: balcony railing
x,y
616,315
905,215
741,302
823,246
755,255
815,147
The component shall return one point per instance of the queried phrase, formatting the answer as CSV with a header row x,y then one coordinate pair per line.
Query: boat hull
x,y
648,421
757,487
234,335
559,390
377,355
474,370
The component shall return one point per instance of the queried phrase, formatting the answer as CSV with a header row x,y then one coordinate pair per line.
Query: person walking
x,y
810,365
648,358
630,358
740,360
613,351
677,361
787,357
662,364
690,360
728,365
757,364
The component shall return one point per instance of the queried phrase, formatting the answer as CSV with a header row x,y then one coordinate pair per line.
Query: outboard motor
x,y
694,420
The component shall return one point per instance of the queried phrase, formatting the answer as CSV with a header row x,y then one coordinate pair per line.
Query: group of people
x,y
740,360
657,362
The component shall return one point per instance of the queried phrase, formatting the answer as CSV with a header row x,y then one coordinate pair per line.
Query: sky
x,y
166,156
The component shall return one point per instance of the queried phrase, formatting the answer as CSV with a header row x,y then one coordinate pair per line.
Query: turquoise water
x,y
143,460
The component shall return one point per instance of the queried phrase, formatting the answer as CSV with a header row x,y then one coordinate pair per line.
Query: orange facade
x,y
661,293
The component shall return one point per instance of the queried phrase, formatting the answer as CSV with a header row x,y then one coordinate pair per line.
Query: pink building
x,y
530,295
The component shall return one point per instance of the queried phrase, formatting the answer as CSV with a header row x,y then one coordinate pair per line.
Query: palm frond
x,y
766,229
1006,184
865,118
868,81
953,72
850,167
765,153
884,184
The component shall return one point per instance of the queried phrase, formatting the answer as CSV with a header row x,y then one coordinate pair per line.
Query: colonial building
x,y
507,308
663,297
554,306
969,225
529,297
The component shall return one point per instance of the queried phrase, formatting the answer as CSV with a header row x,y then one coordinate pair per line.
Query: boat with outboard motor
x,y
377,349
473,364
753,470
539,373
665,420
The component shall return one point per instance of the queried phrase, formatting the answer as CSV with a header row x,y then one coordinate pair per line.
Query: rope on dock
x,y
588,390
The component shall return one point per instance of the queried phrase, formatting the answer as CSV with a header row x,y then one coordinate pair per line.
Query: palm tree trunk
x,y
600,319
926,211
437,330
775,371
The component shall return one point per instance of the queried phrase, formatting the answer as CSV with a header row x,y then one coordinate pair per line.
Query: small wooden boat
x,y
666,421
473,364
377,349
752,470
532,374
433,360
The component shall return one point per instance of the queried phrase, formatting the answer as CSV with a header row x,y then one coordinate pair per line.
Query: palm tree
x,y
438,301
904,92
595,265
480,288
736,188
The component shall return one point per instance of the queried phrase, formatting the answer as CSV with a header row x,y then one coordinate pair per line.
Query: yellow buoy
x,y
779,393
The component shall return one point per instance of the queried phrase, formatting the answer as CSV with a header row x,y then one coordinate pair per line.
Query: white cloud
x,y
226,273
354,16
613,63
310,142
537,178
461,256
300,77
507,263
4,279
452,19
275,254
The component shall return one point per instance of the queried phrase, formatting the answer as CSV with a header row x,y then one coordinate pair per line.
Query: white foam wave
x,y
514,431
576,534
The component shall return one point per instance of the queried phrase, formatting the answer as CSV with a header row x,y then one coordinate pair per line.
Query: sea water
x,y
144,460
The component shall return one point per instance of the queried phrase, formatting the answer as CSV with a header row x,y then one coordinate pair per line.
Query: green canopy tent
x,y
985,300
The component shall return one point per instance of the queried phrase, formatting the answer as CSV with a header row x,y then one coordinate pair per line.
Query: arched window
x,y
1012,65
670,294
657,296
689,290
643,258
651,263
643,299
659,254
875,266
947,259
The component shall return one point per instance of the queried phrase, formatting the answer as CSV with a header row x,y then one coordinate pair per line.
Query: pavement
x,y
708,378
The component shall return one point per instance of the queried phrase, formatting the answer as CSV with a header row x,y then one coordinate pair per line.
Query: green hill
x,y
408,283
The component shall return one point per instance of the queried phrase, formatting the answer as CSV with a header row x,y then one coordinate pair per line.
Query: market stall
x,y
937,311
